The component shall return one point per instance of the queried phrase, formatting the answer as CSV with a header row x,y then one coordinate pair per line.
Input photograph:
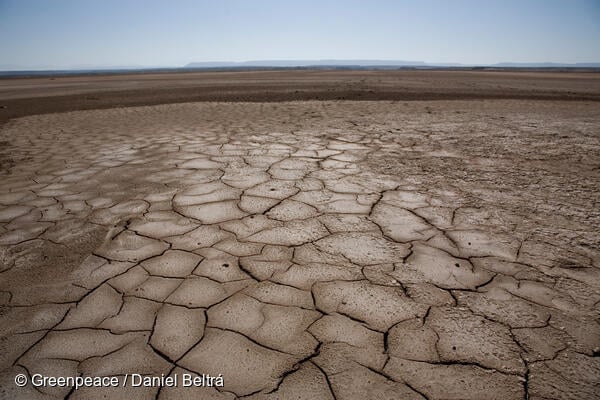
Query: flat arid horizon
x,y
300,235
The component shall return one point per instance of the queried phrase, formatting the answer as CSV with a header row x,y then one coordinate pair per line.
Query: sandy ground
x,y
27,96
305,250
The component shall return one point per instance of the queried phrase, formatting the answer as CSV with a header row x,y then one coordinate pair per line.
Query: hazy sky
x,y
62,33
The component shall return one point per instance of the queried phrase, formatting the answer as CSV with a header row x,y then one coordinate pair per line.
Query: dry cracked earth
x,y
305,250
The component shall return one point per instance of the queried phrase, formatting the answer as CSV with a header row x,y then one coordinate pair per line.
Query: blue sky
x,y
65,33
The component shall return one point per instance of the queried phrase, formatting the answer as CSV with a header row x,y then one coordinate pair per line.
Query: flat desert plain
x,y
302,234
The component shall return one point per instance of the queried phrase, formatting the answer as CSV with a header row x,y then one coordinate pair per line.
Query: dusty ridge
x,y
330,250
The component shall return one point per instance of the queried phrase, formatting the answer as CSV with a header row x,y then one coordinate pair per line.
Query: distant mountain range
x,y
302,63
9,69
376,63
547,65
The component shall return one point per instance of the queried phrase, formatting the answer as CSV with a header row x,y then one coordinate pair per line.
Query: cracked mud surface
x,y
307,250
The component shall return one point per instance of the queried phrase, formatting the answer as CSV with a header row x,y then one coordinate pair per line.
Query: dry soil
x,y
399,248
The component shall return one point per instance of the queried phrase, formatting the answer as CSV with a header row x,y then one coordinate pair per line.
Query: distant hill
x,y
358,64
547,65
302,63
376,63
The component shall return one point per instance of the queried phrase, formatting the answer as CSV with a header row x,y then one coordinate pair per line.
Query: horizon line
x,y
278,63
